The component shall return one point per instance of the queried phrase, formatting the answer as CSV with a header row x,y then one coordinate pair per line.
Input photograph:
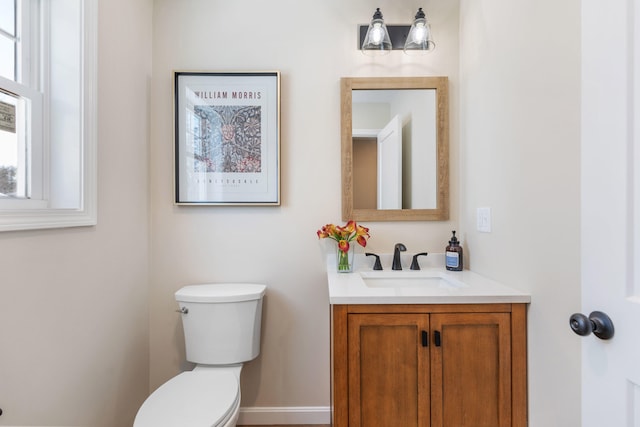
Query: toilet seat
x,y
192,399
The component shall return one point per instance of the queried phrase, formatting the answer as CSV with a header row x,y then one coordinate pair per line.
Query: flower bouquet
x,y
344,235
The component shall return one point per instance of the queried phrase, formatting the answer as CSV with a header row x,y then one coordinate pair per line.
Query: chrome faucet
x,y
397,264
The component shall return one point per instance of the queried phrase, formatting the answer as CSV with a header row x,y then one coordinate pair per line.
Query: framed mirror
x,y
395,148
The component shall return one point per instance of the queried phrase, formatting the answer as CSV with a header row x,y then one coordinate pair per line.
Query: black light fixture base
x,y
397,33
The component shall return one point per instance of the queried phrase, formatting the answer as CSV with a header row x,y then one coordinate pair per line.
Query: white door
x,y
611,210
390,165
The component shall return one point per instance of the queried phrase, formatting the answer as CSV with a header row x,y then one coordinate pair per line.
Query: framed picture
x,y
227,138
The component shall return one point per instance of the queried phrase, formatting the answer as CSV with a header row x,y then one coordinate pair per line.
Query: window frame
x,y
65,199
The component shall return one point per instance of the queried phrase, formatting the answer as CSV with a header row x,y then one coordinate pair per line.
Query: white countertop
x,y
444,287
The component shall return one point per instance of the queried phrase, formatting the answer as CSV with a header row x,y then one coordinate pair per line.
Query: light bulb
x,y
419,33
377,34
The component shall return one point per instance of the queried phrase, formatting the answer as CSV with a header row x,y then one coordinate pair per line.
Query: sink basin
x,y
410,279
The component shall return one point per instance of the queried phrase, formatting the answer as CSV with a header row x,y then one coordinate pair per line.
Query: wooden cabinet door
x,y
471,370
388,370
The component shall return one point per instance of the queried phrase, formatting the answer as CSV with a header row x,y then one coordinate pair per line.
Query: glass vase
x,y
344,260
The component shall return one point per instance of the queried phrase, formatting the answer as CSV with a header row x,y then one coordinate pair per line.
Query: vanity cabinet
x,y
450,365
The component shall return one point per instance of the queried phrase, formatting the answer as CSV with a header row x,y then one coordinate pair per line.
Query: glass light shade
x,y
419,40
377,40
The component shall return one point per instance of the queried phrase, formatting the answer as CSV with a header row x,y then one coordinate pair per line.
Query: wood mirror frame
x,y
441,211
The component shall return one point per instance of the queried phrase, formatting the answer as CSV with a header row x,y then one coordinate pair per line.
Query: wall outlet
x,y
484,220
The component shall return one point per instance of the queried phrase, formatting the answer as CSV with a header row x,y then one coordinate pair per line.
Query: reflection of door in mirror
x,y
390,165
377,176
403,177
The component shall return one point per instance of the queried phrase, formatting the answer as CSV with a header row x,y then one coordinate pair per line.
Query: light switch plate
x,y
484,220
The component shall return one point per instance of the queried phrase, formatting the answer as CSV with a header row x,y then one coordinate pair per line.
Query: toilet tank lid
x,y
221,292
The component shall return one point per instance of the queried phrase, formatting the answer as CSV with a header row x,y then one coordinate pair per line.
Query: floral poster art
x,y
227,141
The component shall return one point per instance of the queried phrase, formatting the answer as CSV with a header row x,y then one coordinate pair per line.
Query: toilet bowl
x,y
193,398
222,325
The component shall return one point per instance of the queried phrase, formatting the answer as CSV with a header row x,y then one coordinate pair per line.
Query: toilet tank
x,y
221,322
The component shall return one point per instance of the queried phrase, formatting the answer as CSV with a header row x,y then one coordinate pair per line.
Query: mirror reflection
x,y
395,148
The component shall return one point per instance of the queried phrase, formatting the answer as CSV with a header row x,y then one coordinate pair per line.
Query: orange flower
x,y
345,234
362,234
343,245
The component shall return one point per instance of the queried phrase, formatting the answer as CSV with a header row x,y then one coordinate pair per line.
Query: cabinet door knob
x,y
425,339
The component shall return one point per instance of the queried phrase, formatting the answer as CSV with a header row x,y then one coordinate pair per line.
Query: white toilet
x,y
222,331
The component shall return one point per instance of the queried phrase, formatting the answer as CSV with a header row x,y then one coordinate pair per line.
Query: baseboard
x,y
267,415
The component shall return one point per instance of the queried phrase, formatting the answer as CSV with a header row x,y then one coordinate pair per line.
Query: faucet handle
x,y
414,262
376,264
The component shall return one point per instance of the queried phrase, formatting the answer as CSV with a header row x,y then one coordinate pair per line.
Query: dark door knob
x,y
597,322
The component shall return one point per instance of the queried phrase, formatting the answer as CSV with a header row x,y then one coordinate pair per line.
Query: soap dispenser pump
x,y
453,254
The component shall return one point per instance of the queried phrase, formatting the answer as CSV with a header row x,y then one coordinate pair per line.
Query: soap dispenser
x,y
453,254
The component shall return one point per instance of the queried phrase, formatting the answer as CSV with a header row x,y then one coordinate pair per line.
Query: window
x,y
20,103
47,113
8,38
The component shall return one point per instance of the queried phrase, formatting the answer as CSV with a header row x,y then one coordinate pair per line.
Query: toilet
x,y
222,331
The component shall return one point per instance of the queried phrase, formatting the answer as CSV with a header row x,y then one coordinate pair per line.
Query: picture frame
x,y
227,138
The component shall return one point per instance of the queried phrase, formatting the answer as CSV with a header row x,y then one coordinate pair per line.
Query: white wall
x,y
520,139
276,245
74,302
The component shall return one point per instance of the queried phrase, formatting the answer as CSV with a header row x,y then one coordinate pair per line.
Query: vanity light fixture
x,y
419,40
376,41
379,39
